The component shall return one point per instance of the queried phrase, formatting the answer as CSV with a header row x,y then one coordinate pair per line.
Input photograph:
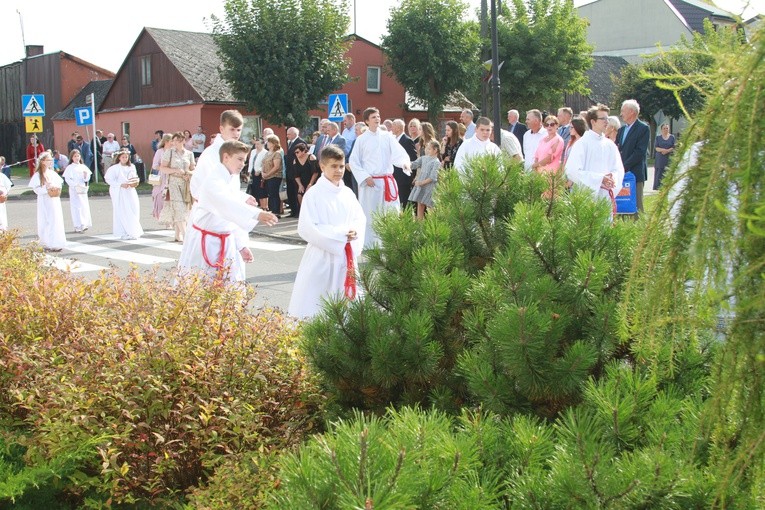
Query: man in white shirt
x,y
110,147
478,145
466,117
532,137
510,145
372,159
594,161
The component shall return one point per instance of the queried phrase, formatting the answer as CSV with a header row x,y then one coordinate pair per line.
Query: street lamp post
x,y
495,74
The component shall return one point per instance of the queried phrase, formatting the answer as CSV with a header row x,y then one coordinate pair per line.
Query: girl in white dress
x,y
47,184
5,189
77,176
122,178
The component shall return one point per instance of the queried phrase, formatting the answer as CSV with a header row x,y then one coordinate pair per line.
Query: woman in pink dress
x,y
550,149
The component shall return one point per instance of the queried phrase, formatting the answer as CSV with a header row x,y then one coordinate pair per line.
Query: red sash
x,y
350,273
391,188
221,253
613,201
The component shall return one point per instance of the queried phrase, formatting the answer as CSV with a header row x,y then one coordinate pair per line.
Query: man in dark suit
x,y
333,136
403,181
565,115
632,139
515,127
320,142
293,139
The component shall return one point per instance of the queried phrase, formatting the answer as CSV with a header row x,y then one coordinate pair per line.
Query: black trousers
x,y
292,196
404,183
274,202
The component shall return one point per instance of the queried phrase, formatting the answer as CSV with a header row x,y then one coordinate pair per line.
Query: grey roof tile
x,y
601,84
200,66
99,88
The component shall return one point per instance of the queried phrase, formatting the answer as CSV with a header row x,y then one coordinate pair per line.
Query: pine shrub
x,y
163,381
407,459
500,297
629,444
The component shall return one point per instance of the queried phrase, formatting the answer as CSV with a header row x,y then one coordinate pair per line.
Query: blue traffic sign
x,y
83,116
337,107
33,105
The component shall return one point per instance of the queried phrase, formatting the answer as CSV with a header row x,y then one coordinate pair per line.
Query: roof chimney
x,y
33,50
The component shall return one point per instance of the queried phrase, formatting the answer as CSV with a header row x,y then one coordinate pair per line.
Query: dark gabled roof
x,y
99,88
695,12
195,55
600,75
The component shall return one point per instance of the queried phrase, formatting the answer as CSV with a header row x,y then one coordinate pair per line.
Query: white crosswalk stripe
x,y
116,254
153,239
144,241
255,245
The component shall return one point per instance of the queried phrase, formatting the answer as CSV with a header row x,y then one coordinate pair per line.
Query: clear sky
x,y
103,35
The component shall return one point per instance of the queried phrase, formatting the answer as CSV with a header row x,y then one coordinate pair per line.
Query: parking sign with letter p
x,y
83,116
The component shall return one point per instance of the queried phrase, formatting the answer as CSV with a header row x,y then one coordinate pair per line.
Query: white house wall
x,y
631,28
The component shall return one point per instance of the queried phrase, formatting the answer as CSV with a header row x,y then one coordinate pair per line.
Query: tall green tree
x,y
706,278
282,57
544,46
432,51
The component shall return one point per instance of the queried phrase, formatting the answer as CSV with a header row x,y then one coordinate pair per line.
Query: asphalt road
x,y
277,250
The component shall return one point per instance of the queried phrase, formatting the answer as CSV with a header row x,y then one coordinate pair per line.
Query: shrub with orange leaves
x,y
172,378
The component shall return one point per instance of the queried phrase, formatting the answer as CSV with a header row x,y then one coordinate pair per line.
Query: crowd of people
x,y
340,179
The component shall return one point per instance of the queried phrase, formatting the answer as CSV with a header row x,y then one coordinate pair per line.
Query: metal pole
x,y
495,74
95,144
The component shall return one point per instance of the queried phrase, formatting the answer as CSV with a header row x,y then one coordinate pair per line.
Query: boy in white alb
x,y
373,157
332,222
231,122
216,240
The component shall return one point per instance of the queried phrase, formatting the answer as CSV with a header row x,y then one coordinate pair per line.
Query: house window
x,y
146,70
126,128
253,127
373,78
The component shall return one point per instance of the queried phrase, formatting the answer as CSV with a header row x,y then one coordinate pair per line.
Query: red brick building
x,y
163,85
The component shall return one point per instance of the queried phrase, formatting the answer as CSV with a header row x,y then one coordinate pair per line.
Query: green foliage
x,y
407,459
440,58
282,57
698,270
629,445
160,382
498,297
544,46
401,340
545,311
39,486
242,482
676,81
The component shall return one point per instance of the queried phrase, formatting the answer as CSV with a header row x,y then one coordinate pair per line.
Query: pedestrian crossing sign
x,y
33,105
34,124
338,107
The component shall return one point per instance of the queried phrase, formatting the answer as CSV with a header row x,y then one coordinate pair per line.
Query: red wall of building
x,y
75,75
143,123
